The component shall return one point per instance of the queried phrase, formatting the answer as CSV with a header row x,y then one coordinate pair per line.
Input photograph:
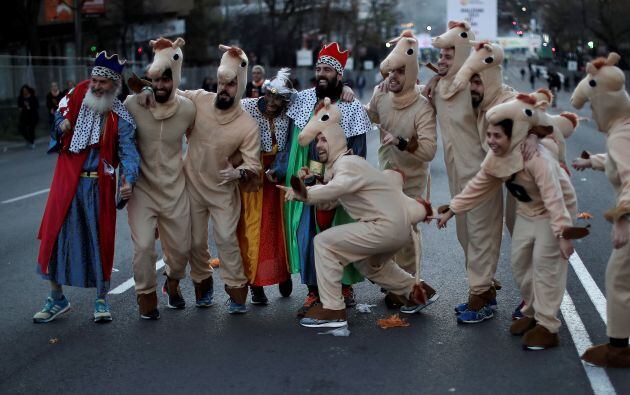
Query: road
x,y
266,351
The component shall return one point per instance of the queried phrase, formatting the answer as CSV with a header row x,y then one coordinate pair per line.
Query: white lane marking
x,y
26,196
593,291
130,283
600,383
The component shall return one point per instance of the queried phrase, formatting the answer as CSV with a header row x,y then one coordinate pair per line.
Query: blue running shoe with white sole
x,y
101,311
460,308
475,317
517,314
236,308
51,310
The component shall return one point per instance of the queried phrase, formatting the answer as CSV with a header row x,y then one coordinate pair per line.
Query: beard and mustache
x,y
223,101
332,89
100,104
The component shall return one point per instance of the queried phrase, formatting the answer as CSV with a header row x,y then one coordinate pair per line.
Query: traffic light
x,y
591,44
139,50
93,48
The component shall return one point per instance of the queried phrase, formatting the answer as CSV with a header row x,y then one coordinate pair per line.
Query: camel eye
x,y
176,56
463,35
592,83
488,60
410,51
528,112
324,118
243,64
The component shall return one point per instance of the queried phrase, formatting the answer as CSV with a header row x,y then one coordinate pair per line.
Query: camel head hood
x,y
459,35
233,65
326,120
604,87
405,53
168,55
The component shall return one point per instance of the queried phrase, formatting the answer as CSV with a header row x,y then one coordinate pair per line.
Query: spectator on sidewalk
x,y
69,85
53,97
522,74
29,106
253,89
532,79
360,84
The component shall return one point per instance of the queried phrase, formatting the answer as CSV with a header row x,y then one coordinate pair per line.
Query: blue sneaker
x,y
205,300
51,310
460,308
204,292
101,311
517,315
236,308
475,317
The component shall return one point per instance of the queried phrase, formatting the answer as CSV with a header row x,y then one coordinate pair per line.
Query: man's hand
x,y
271,176
620,233
429,88
228,173
529,148
566,248
441,224
383,86
347,94
65,127
126,190
304,173
145,98
388,138
290,195
580,164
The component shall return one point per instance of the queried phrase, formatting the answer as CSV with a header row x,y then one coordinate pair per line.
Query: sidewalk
x,y
6,146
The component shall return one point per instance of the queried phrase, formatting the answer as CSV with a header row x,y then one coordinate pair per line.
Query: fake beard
x,y
99,104
332,90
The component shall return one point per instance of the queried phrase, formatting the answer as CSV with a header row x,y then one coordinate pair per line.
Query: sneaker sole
x,y
237,311
422,306
337,324
536,348
494,308
476,321
204,305
52,317
146,318
175,307
260,303
103,318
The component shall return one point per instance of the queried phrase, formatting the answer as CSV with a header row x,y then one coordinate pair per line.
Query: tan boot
x,y
318,316
606,356
520,327
477,302
203,292
237,294
540,338
175,300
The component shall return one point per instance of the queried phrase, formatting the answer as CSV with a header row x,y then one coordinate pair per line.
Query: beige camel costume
x,y
160,199
545,210
217,135
479,230
604,87
407,115
385,219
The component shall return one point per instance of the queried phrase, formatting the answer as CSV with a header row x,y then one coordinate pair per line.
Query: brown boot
x,y
237,294
393,301
318,316
606,356
540,338
203,292
476,302
175,300
520,327
147,305
431,293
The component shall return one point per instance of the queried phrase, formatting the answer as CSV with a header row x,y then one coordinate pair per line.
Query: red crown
x,y
333,51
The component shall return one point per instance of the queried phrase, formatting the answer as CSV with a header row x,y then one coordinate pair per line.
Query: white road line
x,y
593,291
26,196
130,283
600,383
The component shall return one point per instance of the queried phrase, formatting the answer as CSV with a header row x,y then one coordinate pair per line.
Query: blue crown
x,y
110,62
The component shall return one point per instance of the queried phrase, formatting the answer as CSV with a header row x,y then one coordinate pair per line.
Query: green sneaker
x,y
101,311
51,310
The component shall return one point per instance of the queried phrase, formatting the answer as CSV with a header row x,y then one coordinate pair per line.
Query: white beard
x,y
99,104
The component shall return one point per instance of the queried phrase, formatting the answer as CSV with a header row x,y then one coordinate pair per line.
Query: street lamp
x,y
590,44
429,28
524,9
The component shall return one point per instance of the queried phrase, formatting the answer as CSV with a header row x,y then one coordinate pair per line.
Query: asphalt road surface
x,y
266,351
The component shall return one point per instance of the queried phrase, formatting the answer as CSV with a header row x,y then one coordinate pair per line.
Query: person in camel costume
x,y
385,219
604,87
160,199
478,231
408,135
541,242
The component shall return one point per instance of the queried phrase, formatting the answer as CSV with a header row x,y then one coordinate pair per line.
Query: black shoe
x,y
152,315
175,300
258,295
286,288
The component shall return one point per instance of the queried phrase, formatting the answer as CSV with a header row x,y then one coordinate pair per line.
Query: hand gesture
x,y
529,148
441,224
229,173
566,248
580,164
347,94
388,138
304,173
290,195
620,233
145,98
271,176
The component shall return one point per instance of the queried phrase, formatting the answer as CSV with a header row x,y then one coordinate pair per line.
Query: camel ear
x,y
590,69
541,104
452,24
152,43
613,59
488,47
466,25
224,48
410,40
179,43
327,102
